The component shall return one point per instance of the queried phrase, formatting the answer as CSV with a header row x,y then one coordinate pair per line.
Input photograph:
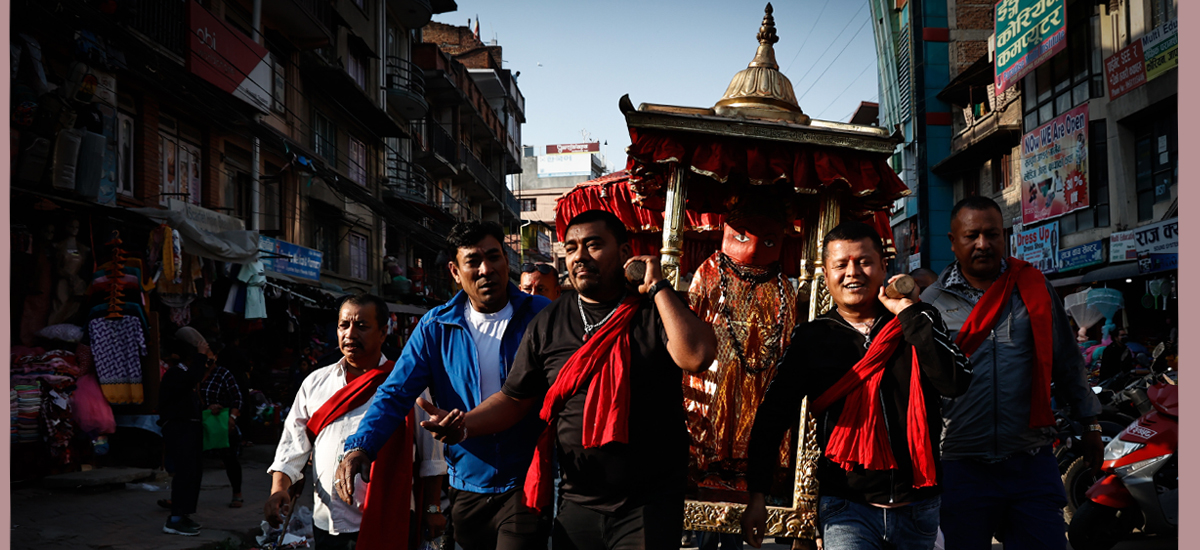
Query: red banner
x,y
1125,70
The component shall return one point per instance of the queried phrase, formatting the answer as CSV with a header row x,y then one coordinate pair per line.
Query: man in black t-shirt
x,y
615,494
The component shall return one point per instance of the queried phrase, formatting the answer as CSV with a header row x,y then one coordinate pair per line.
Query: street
x,y
130,519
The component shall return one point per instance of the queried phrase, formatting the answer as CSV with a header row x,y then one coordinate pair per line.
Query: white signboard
x,y
566,164
1122,247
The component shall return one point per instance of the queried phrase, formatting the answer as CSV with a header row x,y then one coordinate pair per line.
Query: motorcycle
x,y
1140,488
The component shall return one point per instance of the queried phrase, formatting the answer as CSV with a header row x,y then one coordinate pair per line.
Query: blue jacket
x,y
441,356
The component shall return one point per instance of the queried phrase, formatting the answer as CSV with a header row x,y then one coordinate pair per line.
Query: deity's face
x,y
753,241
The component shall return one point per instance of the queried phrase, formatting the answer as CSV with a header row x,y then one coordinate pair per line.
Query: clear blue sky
x,y
578,58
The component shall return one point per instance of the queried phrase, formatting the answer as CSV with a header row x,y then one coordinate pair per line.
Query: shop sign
x,y
914,262
1157,246
227,58
1081,256
1122,247
290,259
564,164
1125,70
1028,33
1054,167
1161,49
203,218
589,147
543,243
1039,246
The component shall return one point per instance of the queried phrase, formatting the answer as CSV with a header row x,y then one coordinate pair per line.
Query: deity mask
x,y
755,240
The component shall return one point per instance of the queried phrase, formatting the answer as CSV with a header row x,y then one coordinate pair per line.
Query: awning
x,y
407,309
280,276
1067,281
1119,271
239,247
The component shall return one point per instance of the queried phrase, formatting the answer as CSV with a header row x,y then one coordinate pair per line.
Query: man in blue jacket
x,y
463,352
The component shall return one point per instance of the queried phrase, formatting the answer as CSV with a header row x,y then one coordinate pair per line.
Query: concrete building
x,y
1130,183
545,176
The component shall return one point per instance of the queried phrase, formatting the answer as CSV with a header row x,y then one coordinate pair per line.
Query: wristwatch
x,y
1095,427
433,509
662,284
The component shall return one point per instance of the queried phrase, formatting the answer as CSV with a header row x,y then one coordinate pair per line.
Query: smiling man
x,y
463,351
1001,474
874,369
602,364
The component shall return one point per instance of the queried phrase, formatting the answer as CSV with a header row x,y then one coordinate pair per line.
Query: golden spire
x,y
760,90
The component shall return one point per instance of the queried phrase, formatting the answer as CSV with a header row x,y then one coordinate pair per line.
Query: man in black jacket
x,y
183,438
878,480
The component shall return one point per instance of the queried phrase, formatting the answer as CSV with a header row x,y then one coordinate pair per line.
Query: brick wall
x,y
973,14
969,51
461,43
210,171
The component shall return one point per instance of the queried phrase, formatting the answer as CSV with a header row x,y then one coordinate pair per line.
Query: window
x,y
324,138
1001,172
124,154
325,239
357,160
1097,213
1162,11
971,183
356,67
236,174
279,83
1070,78
358,256
529,205
189,171
1155,160
269,204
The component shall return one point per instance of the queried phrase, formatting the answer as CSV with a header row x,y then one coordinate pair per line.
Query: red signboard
x,y
1125,70
227,58
590,147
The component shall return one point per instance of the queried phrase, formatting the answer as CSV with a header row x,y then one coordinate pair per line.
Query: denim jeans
x,y
847,525
1021,498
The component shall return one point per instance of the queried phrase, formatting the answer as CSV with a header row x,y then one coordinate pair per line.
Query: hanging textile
x,y
253,275
117,346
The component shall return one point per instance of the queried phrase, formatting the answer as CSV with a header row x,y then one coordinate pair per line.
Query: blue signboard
x,y
1081,256
294,260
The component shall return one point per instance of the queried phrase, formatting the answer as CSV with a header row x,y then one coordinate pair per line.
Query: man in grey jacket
x,y
999,474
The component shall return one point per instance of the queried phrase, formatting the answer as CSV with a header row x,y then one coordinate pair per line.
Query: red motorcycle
x,y
1140,485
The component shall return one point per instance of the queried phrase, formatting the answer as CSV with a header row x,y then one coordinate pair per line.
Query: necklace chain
x,y
589,327
859,326
772,343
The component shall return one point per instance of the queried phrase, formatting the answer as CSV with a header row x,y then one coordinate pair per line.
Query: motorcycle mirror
x,y
1159,349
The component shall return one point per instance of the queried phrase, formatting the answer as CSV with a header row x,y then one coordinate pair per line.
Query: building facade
x,y
545,176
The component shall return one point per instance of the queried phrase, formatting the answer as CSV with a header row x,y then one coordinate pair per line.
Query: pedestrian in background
x,y
219,390
179,416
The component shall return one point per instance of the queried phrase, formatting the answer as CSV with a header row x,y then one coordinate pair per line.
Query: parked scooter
x,y
1141,487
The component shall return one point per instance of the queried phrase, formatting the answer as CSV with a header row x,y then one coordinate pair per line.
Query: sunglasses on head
x,y
544,269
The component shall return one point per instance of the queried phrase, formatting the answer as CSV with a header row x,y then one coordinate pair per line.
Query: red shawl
x,y
604,361
386,505
1032,286
860,437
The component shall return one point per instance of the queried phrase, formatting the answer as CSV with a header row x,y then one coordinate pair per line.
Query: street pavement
x,y
129,518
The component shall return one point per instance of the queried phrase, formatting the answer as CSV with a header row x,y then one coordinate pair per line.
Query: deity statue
x,y
752,306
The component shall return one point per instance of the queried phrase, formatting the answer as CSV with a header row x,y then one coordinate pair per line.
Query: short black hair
x,y
923,271
611,221
851,231
977,203
465,234
381,308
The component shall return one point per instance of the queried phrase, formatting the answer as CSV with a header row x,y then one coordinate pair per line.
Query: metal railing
x,y
403,74
408,181
162,22
440,142
481,173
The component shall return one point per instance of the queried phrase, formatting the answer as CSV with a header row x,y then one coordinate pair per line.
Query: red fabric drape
x,y
860,437
602,363
386,504
1032,285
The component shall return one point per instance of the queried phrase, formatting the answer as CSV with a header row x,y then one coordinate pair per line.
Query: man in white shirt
x,y
362,325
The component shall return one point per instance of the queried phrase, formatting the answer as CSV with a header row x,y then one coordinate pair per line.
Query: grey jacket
x,y
991,420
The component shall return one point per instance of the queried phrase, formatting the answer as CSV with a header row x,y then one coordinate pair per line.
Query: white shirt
x,y
487,330
329,512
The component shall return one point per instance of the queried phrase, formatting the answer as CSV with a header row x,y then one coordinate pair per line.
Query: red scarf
x,y
604,361
386,505
1032,285
860,437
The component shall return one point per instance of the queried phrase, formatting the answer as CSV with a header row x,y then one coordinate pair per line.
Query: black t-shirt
x,y
654,461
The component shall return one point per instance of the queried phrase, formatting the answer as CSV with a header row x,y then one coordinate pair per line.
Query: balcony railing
x,y
481,173
408,181
162,22
441,143
402,74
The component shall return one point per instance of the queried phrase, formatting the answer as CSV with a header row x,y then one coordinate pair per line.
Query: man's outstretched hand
x,y
447,427
354,463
